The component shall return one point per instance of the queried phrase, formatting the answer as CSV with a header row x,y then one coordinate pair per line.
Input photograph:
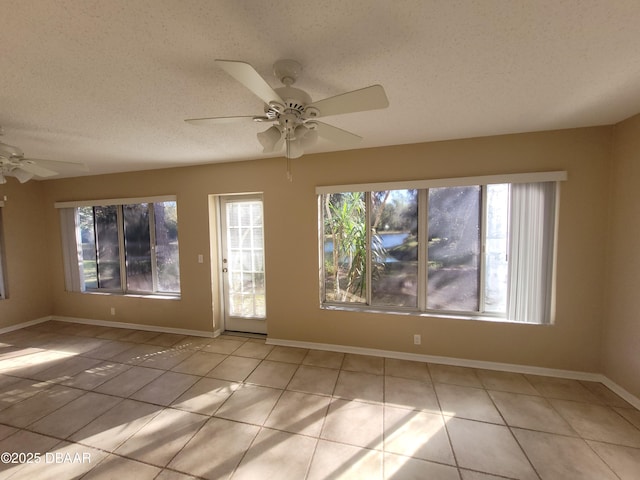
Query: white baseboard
x,y
460,362
615,388
135,326
19,326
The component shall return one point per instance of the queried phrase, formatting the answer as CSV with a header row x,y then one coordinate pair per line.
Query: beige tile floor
x,y
89,402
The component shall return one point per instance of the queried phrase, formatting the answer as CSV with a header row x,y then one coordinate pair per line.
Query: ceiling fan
x,y
14,164
292,112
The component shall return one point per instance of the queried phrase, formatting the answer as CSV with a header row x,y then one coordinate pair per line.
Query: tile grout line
x,y
442,416
324,418
486,390
586,441
260,427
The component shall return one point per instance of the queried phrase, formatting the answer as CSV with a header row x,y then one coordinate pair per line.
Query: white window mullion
x,y
321,252
152,241
483,248
121,247
423,242
369,267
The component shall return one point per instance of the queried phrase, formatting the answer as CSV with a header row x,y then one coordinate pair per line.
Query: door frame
x,y
239,324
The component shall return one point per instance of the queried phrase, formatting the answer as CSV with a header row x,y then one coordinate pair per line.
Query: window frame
x,y
423,244
73,253
422,291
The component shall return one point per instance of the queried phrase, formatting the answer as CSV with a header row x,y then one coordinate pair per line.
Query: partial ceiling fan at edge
x,y
14,164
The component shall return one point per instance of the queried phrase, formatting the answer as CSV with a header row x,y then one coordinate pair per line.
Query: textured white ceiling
x,y
109,82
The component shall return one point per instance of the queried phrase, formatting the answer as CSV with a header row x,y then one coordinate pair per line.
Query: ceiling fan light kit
x,y
293,113
22,175
269,139
13,164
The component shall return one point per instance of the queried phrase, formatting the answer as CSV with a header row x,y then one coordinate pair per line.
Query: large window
x,y
482,248
129,247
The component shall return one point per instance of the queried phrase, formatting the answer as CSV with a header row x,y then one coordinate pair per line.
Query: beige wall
x,y
621,346
192,185
292,251
26,249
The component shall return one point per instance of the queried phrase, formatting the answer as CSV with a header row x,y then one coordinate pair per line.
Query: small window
x,y
124,248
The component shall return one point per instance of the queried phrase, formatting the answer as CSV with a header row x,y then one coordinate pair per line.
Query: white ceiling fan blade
x,y
368,98
32,167
247,75
337,135
59,164
218,120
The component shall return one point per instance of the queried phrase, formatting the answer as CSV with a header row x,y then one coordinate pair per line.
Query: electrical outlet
x,y
113,310
417,339
200,258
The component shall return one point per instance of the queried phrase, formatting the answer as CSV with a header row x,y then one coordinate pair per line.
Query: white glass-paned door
x,y
243,264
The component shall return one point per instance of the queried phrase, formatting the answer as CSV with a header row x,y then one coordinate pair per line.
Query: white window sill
x,y
413,313
134,295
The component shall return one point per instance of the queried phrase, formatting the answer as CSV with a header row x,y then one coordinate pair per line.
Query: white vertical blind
x,y
531,256
72,256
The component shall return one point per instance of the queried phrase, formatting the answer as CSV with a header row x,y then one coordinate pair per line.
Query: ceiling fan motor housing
x,y
291,114
294,98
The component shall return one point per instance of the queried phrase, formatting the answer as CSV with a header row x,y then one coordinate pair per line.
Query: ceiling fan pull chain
x,y
289,174
288,152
